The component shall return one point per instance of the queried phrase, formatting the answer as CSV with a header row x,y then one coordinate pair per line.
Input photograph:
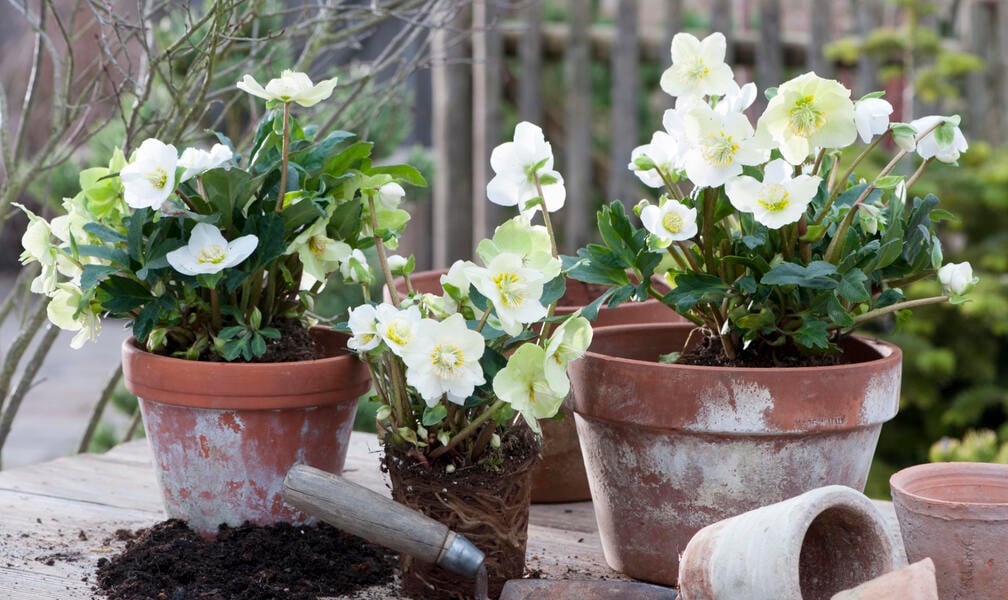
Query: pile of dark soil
x,y
171,562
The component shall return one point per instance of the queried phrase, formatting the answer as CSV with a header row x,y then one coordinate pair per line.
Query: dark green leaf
x,y
432,415
339,164
92,274
817,275
813,334
404,173
104,233
114,256
120,295
693,288
852,288
553,290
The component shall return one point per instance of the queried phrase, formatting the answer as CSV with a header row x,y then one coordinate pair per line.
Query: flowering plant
x,y
455,371
208,253
775,250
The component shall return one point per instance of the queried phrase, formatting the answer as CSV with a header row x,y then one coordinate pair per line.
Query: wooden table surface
x,y
58,518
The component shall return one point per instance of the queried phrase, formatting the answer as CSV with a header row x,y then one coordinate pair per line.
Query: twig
x,y
99,408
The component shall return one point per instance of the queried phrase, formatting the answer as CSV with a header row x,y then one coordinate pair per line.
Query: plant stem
x,y
99,409
546,217
284,153
382,256
708,230
469,430
215,309
878,312
689,255
920,171
818,161
673,188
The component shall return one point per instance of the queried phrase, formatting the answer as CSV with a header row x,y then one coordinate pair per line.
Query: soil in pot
x,y
490,507
169,560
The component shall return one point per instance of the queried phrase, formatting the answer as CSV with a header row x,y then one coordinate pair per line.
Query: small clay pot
x,y
560,476
957,514
672,448
805,548
224,435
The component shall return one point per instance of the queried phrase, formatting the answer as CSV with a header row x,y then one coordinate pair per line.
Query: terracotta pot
x,y
560,476
809,547
224,435
673,448
957,514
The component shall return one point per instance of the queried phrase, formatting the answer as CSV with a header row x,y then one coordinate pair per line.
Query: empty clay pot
x,y
916,582
957,514
673,448
805,548
560,475
224,435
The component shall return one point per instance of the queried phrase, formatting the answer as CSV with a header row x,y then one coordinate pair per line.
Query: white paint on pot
x,y
881,396
741,407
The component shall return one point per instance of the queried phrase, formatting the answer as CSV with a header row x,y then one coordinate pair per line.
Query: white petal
x,y
742,192
249,85
713,48
205,234
239,249
502,190
777,171
685,47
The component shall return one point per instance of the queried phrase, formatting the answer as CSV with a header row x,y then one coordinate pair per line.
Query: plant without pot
x,y
956,513
224,435
560,475
672,448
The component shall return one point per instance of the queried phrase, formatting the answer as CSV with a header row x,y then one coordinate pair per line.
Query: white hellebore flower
x,y
523,384
776,201
319,254
443,359
737,99
664,153
516,165
569,342
208,252
291,86
513,289
390,195
397,264
364,327
809,112
698,67
150,178
38,246
670,222
871,117
196,161
354,268
935,145
396,327
719,145
957,278
64,311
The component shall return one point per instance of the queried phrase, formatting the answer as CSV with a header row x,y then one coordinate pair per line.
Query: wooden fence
x,y
493,59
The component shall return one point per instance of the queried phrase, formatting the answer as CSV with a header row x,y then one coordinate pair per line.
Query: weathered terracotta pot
x,y
673,448
560,475
957,514
224,435
809,547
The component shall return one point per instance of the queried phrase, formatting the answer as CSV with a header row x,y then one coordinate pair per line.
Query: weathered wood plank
x,y
821,32
623,126
451,122
87,478
721,20
983,26
769,53
486,125
577,147
868,14
530,53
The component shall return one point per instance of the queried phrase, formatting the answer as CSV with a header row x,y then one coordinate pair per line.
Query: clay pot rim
x,y
131,347
337,378
887,352
901,484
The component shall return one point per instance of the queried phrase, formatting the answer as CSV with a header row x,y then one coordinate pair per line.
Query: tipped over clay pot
x,y
805,548
957,514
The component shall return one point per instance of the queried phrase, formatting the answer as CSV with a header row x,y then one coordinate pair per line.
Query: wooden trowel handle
x,y
356,509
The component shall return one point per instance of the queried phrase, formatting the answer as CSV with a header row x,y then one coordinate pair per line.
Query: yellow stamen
x,y
214,254
158,177
774,197
805,119
672,222
720,150
508,284
446,359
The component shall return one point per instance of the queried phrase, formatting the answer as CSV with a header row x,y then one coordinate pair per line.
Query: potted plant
x,y
778,255
216,259
464,376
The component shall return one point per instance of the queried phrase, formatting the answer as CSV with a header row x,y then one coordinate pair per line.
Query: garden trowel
x,y
381,520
